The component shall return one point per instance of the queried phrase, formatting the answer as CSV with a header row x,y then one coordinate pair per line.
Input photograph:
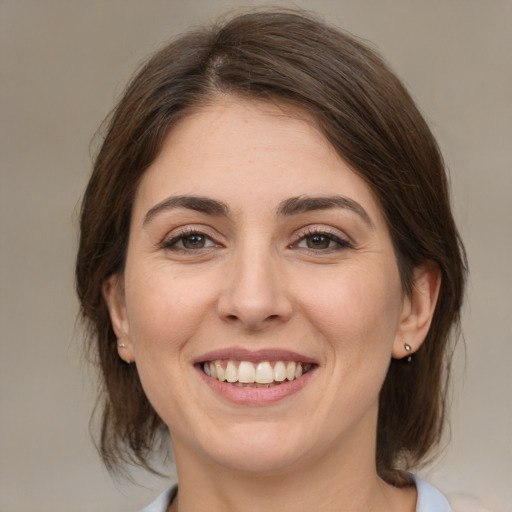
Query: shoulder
x,y
161,504
429,498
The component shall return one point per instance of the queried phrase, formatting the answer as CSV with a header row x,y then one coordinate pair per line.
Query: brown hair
x,y
368,117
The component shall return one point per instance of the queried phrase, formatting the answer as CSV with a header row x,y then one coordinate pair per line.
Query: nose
x,y
254,295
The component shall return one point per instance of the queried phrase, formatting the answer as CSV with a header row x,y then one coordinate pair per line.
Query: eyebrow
x,y
198,204
298,205
292,206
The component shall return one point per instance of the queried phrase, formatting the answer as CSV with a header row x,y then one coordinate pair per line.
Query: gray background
x,y
64,63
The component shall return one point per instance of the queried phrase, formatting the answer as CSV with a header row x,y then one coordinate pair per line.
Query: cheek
x,y
356,309
164,310
164,314
355,312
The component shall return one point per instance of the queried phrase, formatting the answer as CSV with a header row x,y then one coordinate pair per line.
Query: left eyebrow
x,y
302,204
196,203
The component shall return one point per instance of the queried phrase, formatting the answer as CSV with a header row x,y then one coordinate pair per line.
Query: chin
x,y
262,449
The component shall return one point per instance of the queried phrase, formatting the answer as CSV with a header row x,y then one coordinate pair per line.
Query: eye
x,y
195,241
189,241
316,242
322,241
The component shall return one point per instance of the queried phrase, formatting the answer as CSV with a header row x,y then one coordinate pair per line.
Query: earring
x,y
408,348
122,345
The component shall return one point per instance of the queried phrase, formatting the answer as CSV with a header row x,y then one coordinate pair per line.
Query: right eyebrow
x,y
196,203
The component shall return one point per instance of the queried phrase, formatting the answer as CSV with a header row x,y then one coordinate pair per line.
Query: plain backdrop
x,y
62,66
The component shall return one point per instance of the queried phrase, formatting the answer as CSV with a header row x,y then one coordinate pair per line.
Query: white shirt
x,y
429,499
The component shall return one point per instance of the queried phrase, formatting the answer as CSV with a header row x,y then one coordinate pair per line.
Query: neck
x,y
343,477
228,491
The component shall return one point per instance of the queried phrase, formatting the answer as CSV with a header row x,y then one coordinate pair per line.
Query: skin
x,y
257,284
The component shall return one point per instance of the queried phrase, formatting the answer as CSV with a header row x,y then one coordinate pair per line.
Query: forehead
x,y
249,154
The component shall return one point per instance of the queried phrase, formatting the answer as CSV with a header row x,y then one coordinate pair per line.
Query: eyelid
x,y
171,238
336,235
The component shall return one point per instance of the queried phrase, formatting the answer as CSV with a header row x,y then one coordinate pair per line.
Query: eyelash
x,y
341,243
172,243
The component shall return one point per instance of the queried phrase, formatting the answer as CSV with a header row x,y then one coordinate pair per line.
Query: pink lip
x,y
255,396
256,356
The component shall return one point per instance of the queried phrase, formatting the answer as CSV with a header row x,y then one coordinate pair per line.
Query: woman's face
x,y
255,248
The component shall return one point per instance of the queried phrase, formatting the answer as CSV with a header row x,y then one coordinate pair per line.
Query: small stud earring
x,y
122,345
408,348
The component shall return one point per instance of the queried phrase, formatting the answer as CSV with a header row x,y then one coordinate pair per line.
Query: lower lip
x,y
256,396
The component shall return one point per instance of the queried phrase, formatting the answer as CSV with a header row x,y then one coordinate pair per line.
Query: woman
x,y
270,272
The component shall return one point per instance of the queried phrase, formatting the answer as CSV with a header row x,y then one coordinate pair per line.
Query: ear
x,y
418,310
113,293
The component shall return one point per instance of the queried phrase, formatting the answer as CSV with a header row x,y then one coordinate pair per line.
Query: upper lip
x,y
254,356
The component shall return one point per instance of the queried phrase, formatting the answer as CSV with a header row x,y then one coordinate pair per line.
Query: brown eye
x,y
189,242
318,242
194,241
323,242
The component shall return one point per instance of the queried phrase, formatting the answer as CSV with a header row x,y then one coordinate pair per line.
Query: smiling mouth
x,y
255,375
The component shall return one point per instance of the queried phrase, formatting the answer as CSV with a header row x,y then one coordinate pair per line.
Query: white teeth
x,y
279,371
262,374
221,374
246,372
290,370
231,372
